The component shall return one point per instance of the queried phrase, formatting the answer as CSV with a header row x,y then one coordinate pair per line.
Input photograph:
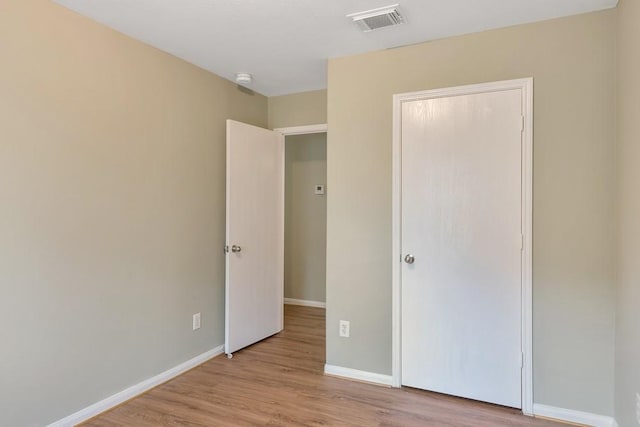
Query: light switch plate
x,y
319,189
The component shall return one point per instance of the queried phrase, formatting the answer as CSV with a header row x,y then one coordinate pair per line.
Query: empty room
x,y
338,213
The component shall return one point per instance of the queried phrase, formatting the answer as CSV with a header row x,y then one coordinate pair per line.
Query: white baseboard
x,y
306,303
569,415
354,374
135,390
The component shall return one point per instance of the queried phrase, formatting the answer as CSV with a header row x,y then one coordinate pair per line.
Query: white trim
x,y
569,415
396,246
526,85
354,374
303,130
281,226
305,303
527,251
227,230
135,390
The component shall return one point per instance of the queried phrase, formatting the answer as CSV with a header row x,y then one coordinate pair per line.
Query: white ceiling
x,y
285,43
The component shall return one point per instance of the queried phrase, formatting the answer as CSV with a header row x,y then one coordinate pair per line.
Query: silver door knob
x,y
235,249
409,259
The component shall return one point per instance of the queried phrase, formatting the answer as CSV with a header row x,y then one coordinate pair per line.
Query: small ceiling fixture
x,y
244,79
381,17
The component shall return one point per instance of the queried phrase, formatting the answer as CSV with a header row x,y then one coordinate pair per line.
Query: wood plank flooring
x,y
280,382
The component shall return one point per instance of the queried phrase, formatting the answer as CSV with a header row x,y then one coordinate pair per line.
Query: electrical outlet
x,y
638,407
344,328
196,321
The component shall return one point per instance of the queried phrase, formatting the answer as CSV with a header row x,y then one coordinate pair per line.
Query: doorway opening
x,y
305,215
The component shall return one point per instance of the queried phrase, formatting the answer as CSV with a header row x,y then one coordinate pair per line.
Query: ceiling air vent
x,y
377,18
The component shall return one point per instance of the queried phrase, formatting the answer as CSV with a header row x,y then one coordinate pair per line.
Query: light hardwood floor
x,y
280,382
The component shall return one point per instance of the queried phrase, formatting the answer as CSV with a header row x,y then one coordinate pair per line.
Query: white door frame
x,y
526,85
290,131
303,130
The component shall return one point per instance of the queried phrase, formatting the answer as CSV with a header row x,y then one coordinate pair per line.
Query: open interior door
x,y
255,235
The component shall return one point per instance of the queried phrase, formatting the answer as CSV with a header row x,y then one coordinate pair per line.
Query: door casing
x,y
526,86
291,131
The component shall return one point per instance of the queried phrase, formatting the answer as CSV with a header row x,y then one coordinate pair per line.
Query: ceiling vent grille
x,y
381,17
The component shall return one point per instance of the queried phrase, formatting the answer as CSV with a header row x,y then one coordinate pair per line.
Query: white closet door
x,y
461,228
255,235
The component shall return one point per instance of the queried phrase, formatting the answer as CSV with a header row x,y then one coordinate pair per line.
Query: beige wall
x,y
112,179
298,109
628,320
573,63
305,217
112,162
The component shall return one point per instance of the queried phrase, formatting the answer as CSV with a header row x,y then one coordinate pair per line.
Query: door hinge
x,y
521,360
521,242
522,124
